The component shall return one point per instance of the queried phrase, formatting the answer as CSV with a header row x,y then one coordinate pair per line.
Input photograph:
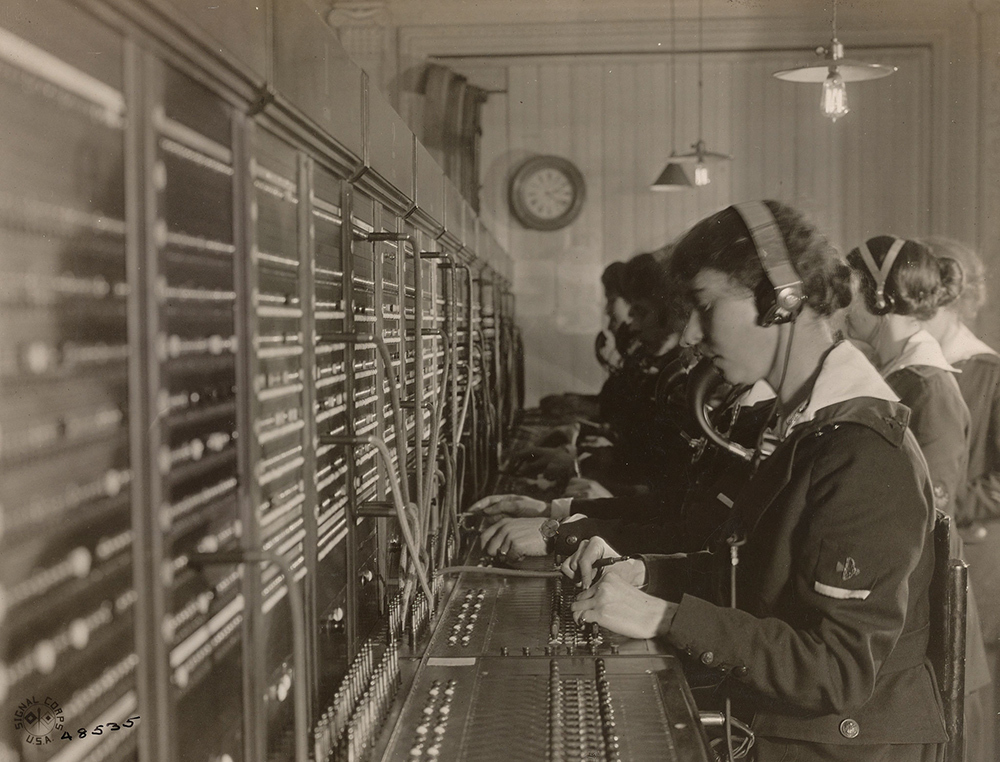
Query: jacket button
x,y
740,671
849,728
707,658
572,540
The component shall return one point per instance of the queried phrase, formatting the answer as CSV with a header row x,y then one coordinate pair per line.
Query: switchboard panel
x,y
190,318
331,384
67,615
239,372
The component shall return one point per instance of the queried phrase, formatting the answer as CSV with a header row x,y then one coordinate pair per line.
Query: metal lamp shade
x,y
672,178
850,71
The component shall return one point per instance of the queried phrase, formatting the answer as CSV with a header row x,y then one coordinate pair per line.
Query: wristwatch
x,y
548,530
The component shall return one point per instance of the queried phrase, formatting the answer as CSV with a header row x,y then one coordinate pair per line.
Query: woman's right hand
x,y
580,566
515,506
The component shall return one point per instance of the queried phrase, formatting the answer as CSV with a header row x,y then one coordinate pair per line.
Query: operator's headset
x,y
783,302
884,303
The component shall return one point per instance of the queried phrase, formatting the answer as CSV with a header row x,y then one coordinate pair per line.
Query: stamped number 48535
x,y
99,730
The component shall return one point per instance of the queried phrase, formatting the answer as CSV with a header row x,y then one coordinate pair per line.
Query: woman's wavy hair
x,y
722,242
647,277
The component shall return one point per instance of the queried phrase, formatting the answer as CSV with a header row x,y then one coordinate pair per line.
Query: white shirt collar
x,y
846,374
963,344
920,349
759,392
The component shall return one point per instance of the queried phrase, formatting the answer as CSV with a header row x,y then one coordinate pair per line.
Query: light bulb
x,y
834,99
701,174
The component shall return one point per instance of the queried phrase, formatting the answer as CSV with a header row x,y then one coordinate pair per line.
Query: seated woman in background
x,y
634,435
648,464
828,643
977,510
628,434
899,284
614,346
616,341
643,437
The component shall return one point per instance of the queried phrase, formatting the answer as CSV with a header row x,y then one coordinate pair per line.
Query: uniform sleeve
x,y
673,576
858,537
981,498
940,422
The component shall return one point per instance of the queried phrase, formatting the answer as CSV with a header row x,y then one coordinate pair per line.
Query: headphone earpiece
x,y
884,303
779,297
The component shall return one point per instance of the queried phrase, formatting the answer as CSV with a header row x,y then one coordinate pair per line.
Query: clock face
x,y
546,193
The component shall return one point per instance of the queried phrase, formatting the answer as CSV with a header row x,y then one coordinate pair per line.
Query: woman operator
x,y
650,458
828,643
977,510
898,283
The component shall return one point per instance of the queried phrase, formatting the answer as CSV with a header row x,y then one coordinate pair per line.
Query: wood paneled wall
x,y
866,174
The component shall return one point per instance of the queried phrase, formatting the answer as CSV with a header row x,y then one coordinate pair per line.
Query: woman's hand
x,y
618,606
585,489
515,506
514,538
580,565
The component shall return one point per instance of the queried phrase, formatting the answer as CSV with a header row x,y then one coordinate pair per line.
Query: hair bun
x,y
952,280
972,294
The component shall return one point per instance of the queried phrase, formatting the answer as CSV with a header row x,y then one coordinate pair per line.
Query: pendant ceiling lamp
x,y
673,177
834,71
699,154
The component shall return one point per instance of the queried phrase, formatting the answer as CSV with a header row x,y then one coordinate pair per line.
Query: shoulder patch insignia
x,y
840,593
848,569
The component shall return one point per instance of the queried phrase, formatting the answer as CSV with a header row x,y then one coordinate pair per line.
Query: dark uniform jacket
x,y
978,508
939,418
831,630
644,436
940,422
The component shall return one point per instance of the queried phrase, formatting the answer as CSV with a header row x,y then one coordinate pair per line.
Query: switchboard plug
x,y
333,622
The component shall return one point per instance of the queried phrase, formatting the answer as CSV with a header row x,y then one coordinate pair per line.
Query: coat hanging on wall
x,y
452,127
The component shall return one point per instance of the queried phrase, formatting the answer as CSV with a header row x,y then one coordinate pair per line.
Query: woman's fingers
x,y
595,550
585,602
572,564
481,506
493,537
618,606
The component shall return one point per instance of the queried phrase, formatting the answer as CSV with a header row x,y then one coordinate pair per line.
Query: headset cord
x,y
734,560
758,454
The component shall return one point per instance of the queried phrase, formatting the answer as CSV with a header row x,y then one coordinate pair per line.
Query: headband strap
x,y
881,274
769,244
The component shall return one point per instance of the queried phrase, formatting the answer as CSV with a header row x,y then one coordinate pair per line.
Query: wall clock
x,y
546,193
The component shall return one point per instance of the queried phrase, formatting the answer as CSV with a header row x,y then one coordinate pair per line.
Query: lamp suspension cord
x,y
673,75
700,67
835,19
